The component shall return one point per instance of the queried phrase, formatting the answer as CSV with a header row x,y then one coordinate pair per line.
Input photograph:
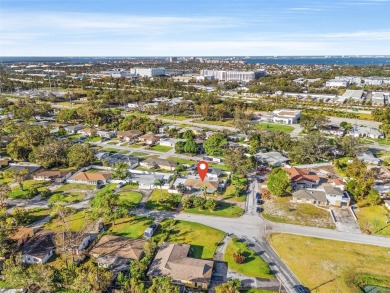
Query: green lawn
x,y
135,145
219,166
129,198
76,186
171,117
35,215
132,227
114,150
223,210
161,148
230,194
163,201
275,127
281,210
337,266
182,161
66,197
93,139
228,123
76,222
107,187
17,192
373,220
203,239
254,265
74,136
139,154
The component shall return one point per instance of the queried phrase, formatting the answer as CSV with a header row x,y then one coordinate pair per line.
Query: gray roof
x,y
329,189
271,157
353,94
315,194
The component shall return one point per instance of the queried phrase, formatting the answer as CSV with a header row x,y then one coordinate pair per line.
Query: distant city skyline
x,y
198,28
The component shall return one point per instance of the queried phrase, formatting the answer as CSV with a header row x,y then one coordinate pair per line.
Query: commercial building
x,y
336,83
232,75
286,116
148,72
356,95
380,98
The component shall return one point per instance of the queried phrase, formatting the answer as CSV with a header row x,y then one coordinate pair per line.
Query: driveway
x,y
345,222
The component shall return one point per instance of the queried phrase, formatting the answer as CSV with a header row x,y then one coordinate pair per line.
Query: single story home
x,y
90,177
195,184
115,158
273,159
302,178
327,195
149,138
129,135
170,142
333,130
39,248
173,260
159,163
363,131
51,175
72,129
116,252
369,158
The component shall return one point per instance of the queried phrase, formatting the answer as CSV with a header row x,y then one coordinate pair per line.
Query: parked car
x,y
258,195
150,230
301,289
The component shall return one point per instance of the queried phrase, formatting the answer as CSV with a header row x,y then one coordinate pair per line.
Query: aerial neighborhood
x,y
101,191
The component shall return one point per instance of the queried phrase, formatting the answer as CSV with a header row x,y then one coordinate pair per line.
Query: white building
x,y
336,83
356,95
363,131
286,116
380,98
232,75
148,72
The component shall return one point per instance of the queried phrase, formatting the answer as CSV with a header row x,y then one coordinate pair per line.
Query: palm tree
x,y
159,182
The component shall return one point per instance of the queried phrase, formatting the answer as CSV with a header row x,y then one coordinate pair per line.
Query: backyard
x,y
17,192
132,227
203,239
161,200
253,266
129,198
76,222
75,186
281,210
338,266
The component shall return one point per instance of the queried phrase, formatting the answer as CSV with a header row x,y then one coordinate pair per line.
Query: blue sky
x,y
194,28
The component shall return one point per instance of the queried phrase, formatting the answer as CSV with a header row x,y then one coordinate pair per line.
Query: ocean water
x,y
280,60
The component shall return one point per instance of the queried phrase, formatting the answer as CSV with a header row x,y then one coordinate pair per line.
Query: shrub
x,y
239,257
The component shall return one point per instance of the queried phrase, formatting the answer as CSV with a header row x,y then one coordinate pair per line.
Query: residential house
x,y
149,138
39,248
4,162
338,183
115,158
286,116
116,252
159,163
90,177
362,131
302,178
88,131
195,184
129,135
105,133
170,142
327,195
31,168
273,159
147,181
333,130
173,260
83,239
369,158
22,235
72,129
51,175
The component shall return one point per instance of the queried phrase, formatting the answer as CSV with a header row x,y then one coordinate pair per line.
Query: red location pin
x,y
202,169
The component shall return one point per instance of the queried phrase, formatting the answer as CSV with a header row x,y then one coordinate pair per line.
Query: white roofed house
x,y
363,131
369,158
170,142
273,159
286,116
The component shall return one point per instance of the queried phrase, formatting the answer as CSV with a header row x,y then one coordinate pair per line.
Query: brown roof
x,y
197,183
39,245
52,174
297,175
337,181
129,133
22,232
148,136
87,130
117,246
172,260
89,176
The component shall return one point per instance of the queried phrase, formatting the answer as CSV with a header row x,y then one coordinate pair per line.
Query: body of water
x,y
269,60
